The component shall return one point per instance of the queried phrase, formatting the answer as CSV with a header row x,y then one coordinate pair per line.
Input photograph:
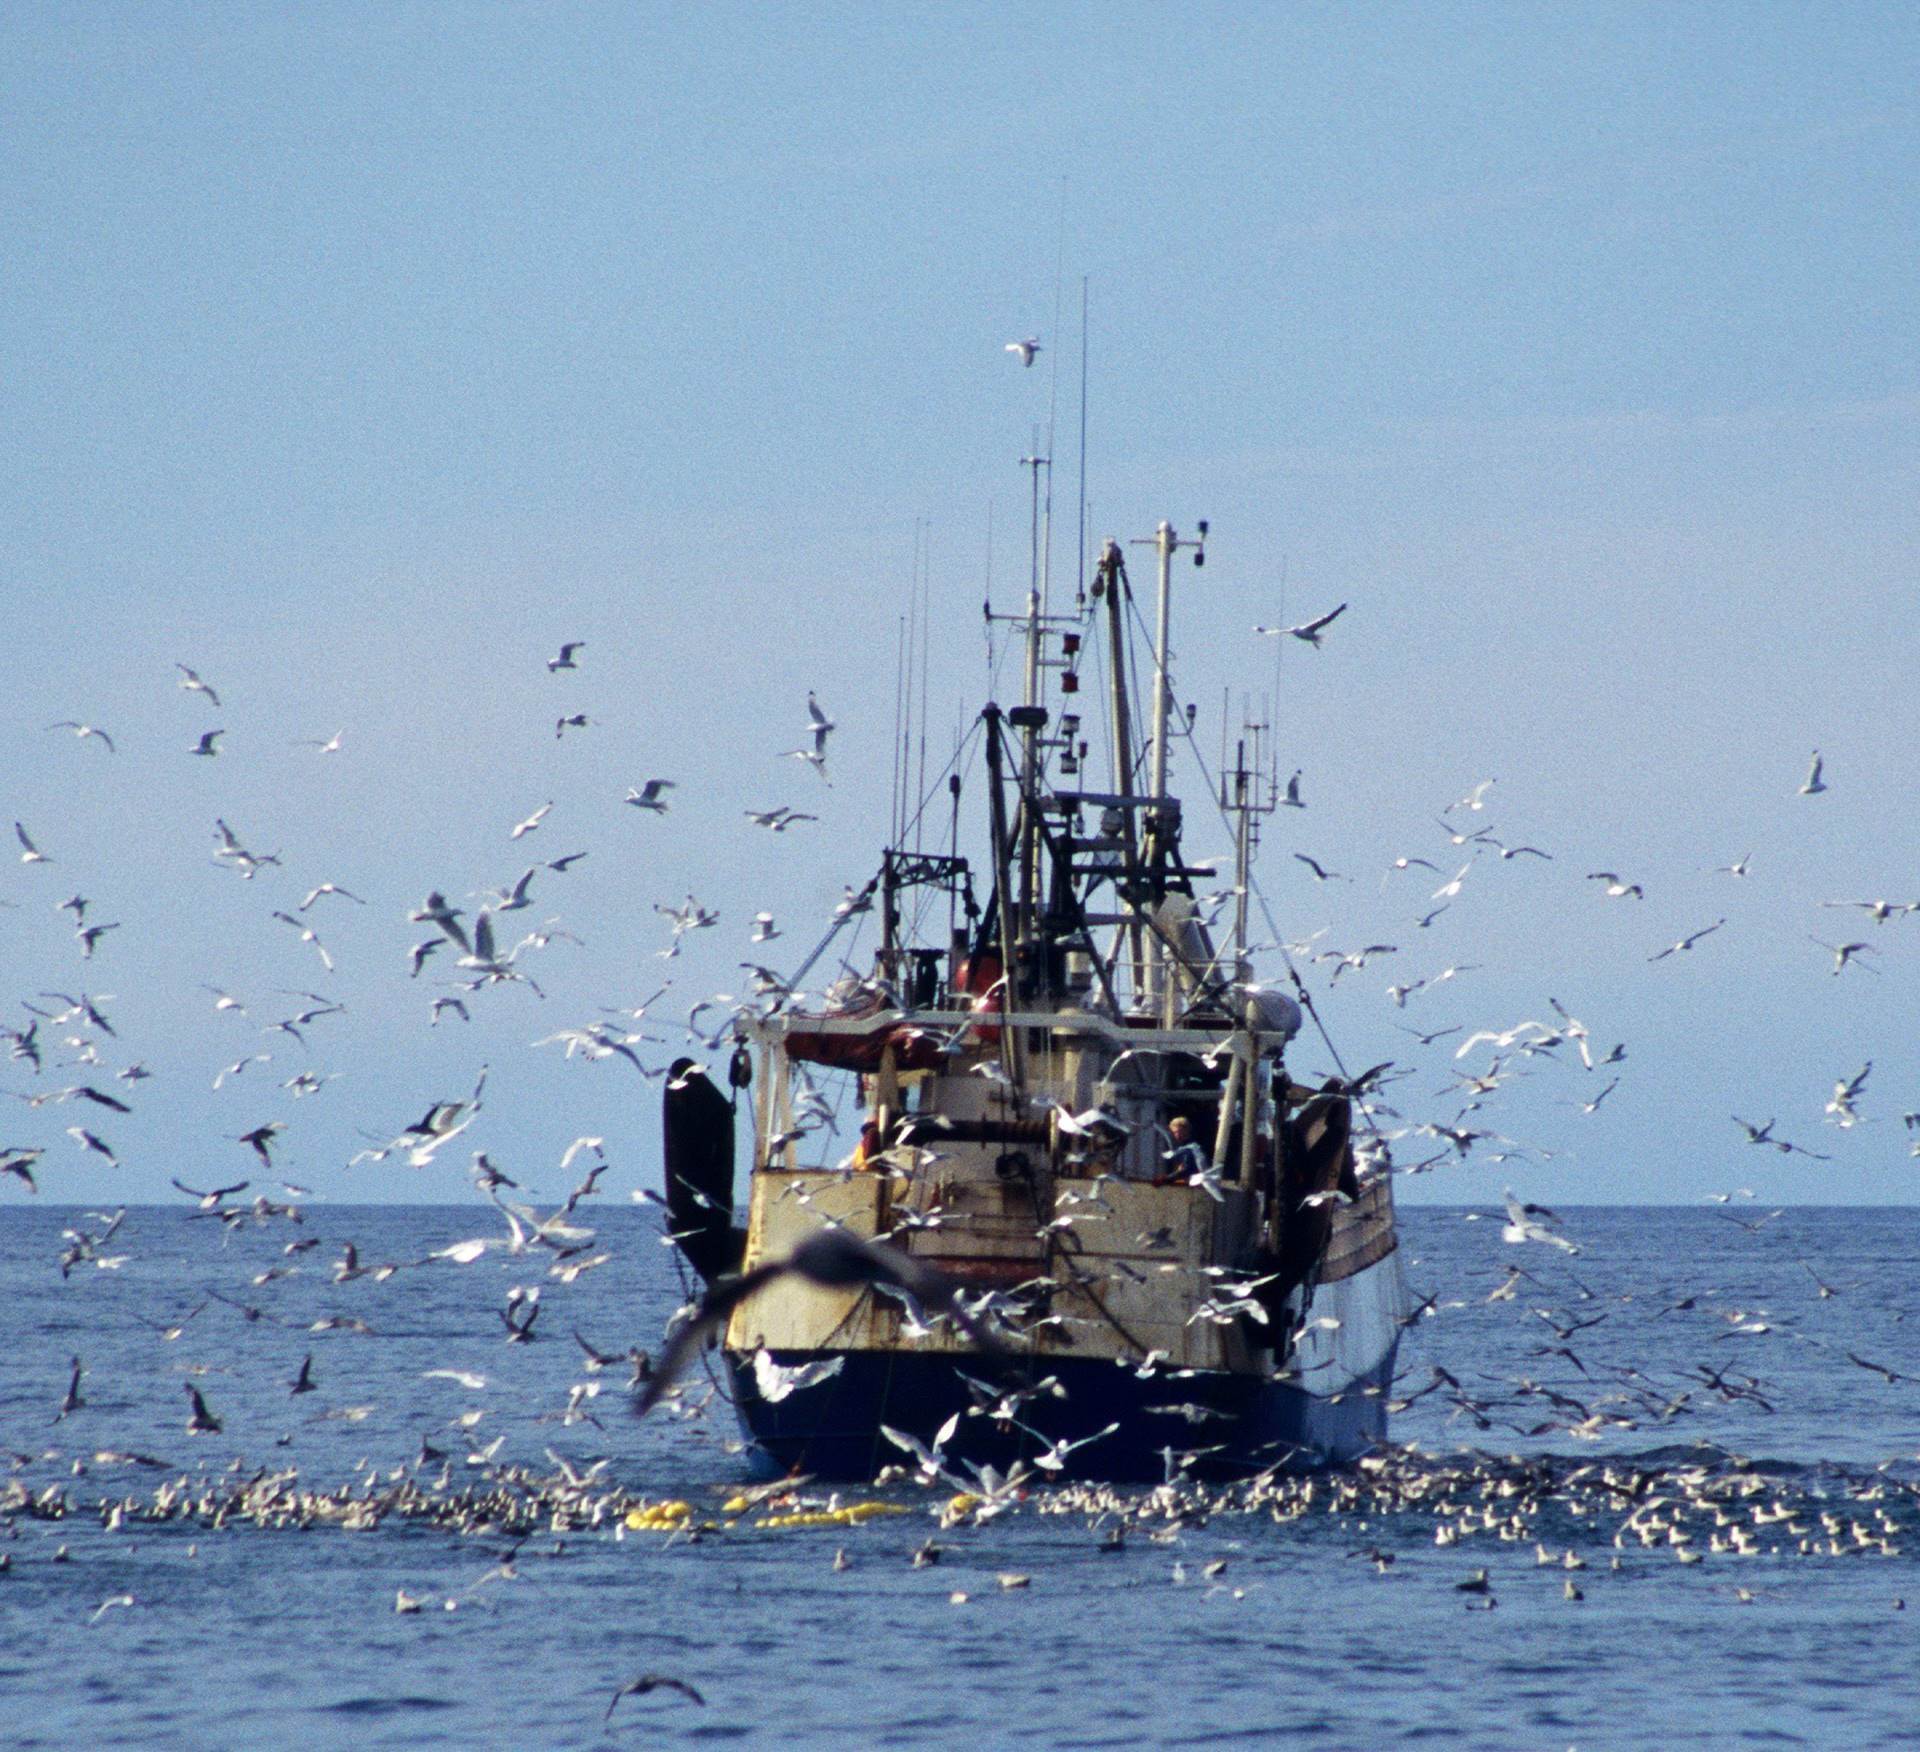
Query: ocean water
x,y
1713,1379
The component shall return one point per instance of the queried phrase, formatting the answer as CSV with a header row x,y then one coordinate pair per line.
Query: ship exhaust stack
x,y
697,1122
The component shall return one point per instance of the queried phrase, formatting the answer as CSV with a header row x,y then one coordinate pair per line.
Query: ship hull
x,y
1231,1423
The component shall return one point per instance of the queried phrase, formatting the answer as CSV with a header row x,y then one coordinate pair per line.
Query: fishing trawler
x,y
1074,1104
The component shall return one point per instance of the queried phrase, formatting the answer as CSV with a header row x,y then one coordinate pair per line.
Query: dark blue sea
x,y
1616,1424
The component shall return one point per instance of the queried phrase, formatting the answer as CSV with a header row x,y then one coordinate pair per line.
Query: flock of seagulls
x,y
1523,1049
57,1036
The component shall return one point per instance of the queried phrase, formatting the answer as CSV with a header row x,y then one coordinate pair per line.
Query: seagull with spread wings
x,y
1688,941
834,1260
1308,632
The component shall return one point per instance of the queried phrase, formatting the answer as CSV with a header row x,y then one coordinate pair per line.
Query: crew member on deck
x,y
1185,1159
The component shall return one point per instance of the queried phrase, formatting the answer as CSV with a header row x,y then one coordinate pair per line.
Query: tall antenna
x,y
1053,390
1080,568
926,640
904,730
899,673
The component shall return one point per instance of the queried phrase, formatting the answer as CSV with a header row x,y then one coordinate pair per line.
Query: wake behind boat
x,y
1074,1106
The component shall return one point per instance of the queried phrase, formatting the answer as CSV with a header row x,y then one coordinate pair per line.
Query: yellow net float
x,y
659,1517
850,1516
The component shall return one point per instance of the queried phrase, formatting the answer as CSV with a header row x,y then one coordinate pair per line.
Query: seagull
x,y
330,746
1530,1222
573,721
565,659
207,745
1308,631
1464,839
328,888
775,1383
435,910
230,849
307,935
831,1258
1589,1106
32,854
1320,874
1878,910
814,757
1476,799
1814,783
1843,954
648,795
83,731
90,1141
210,1199
72,1401
1055,1456
1687,942
1292,799
653,1682
1737,868
514,897
1846,1091
193,684
202,1422
261,1139
1026,349
819,725
1354,960
1617,889
532,821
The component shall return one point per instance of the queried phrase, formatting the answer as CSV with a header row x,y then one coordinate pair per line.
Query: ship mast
x,y
1166,542
1031,721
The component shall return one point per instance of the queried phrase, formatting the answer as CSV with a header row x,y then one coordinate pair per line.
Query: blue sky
x,y
358,356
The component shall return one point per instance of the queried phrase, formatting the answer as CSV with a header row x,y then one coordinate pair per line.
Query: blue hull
x,y
832,1430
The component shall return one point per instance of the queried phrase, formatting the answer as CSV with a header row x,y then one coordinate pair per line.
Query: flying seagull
x,y
193,684
1814,784
83,731
532,821
1320,873
1843,953
831,1258
653,1682
1307,631
648,796
819,725
1532,1222
565,659
1026,349
1688,941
